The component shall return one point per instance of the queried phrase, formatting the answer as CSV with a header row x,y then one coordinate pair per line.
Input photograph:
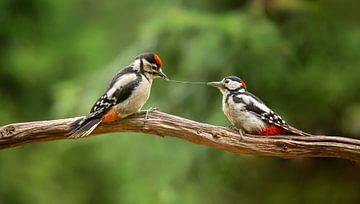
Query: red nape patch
x,y
111,116
273,130
158,60
243,84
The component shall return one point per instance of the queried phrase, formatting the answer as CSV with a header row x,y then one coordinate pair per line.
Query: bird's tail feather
x,y
298,132
85,126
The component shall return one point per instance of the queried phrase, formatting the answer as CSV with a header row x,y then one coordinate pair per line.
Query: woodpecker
x,y
247,112
126,94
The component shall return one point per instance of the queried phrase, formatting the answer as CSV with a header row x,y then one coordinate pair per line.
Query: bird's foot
x,y
233,128
147,112
239,130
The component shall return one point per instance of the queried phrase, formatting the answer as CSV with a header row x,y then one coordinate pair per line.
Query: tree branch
x,y
163,124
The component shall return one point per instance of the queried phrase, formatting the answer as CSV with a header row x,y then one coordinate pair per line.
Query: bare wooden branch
x,y
163,124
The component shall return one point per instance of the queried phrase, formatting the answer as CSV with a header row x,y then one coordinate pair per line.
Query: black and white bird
x,y
247,112
127,93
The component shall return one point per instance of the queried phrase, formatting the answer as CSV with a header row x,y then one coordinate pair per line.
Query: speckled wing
x,y
257,107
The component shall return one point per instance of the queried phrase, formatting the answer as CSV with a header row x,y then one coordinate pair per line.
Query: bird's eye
x,y
226,81
154,67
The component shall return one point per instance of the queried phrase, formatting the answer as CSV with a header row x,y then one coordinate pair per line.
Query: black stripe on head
x,y
234,91
233,78
142,71
141,65
149,56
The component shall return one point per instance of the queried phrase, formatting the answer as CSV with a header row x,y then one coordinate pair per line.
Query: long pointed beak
x,y
163,75
216,84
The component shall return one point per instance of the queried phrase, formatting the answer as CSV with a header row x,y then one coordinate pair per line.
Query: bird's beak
x,y
216,84
162,74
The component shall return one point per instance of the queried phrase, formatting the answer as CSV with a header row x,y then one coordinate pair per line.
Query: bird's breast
x,y
240,117
136,100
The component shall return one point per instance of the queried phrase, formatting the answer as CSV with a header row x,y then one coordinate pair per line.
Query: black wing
x,y
116,95
268,116
126,70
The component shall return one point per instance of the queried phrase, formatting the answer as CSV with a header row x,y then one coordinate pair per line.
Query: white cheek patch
x,y
232,85
147,66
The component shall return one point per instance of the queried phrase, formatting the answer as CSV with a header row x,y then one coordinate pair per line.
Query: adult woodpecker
x,y
247,112
127,93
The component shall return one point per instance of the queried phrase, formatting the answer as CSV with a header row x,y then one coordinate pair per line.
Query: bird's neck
x,y
148,77
227,93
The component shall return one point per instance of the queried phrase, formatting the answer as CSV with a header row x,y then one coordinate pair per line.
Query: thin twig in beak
x,y
163,75
216,84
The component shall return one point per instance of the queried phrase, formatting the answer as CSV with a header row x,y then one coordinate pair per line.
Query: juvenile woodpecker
x,y
247,112
127,93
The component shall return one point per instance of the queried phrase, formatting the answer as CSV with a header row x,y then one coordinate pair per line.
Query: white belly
x,y
136,100
242,119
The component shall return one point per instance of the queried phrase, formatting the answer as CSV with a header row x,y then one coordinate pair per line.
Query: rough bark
x,y
162,124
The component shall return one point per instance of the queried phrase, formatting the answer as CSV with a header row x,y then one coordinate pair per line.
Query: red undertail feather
x,y
111,116
273,130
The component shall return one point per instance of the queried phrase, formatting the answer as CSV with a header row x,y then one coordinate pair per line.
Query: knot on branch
x,y
7,131
217,134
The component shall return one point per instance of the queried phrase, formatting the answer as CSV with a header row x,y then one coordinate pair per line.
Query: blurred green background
x,y
300,56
